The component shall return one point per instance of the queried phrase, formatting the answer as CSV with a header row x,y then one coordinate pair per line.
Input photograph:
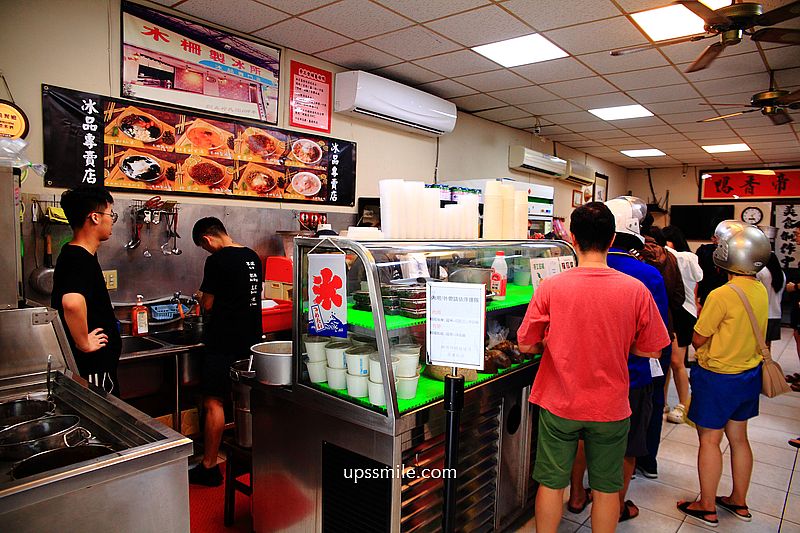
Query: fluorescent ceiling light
x,y
719,148
649,152
521,50
673,21
621,112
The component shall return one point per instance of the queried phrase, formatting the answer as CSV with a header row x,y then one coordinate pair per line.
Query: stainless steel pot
x,y
273,362
241,402
471,274
58,458
17,411
28,438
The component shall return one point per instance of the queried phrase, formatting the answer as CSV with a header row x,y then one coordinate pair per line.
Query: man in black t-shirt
x,y
79,290
231,296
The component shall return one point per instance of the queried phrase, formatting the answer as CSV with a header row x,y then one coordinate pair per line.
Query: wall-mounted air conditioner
x,y
527,160
579,174
374,98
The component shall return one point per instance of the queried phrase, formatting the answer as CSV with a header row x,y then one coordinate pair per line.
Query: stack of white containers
x,y
411,211
505,212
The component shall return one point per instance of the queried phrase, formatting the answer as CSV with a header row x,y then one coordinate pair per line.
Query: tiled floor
x,y
779,421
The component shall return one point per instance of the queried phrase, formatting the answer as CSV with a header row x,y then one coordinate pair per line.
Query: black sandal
x,y
733,509
626,511
698,514
579,510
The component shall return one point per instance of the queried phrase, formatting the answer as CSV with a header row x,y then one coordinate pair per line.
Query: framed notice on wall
x,y
176,61
126,145
310,97
755,184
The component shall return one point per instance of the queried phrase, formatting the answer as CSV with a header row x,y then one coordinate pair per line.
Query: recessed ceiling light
x,y
673,21
719,148
521,51
621,112
649,152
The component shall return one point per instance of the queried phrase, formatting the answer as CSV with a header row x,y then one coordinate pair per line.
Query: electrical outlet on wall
x,y
111,279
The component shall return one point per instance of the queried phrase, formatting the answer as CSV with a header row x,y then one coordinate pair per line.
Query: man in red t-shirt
x,y
587,320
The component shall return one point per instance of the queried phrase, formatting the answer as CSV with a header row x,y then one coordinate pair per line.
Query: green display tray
x,y
429,390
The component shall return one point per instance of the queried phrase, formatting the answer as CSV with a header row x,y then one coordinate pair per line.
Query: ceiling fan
x,y
729,24
773,103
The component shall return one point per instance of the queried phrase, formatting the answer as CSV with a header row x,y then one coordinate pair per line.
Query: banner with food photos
x,y
93,139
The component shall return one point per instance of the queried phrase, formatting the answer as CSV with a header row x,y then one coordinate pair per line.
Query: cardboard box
x,y
190,421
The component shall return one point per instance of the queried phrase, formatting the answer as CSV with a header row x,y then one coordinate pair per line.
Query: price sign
x,y
456,324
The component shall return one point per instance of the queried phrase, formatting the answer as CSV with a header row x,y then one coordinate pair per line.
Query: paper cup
x,y
376,396
375,368
336,378
334,352
399,349
316,371
357,385
407,367
357,358
523,278
407,387
315,346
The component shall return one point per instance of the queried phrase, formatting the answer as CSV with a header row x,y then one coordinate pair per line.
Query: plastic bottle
x,y
139,317
499,276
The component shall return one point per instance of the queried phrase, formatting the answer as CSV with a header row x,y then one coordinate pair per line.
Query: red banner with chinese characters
x,y
763,184
310,97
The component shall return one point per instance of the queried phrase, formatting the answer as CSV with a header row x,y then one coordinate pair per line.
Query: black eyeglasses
x,y
114,216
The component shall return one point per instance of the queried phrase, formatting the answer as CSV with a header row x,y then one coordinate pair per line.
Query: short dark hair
x,y
80,202
207,226
675,235
593,226
657,235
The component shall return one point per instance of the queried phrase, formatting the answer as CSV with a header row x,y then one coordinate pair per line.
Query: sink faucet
x,y
176,299
194,305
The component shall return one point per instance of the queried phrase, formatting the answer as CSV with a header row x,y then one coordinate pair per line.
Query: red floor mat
x,y
206,507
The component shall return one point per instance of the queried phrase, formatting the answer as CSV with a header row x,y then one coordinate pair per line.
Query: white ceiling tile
x,y
608,134
789,77
412,43
595,36
750,82
605,63
502,113
755,144
481,26
493,81
584,144
357,19
638,122
295,6
677,145
565,68
459,63
765,130
642,79
408,73
476,102
602,100
550,107
570,118
664,94
358,56
719,125
446,88
582,127
783,57
751,120
301,35
524,95
776,137
713,137
727,66
242,15
678,106
425,10
581,87
521,123
553,129
686,118
688,52
565,137
548,14
652,130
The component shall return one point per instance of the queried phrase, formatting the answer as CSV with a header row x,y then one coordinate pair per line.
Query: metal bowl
x,y
17,411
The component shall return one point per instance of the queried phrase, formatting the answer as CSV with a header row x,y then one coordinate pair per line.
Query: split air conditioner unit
x,y
579,174
527,160
371,97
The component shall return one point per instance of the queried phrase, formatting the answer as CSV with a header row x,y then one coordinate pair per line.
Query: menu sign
x,y
456,323
92,139
760,184
787,217
310,97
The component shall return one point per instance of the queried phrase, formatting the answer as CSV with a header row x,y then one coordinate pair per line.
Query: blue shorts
x,y
717,398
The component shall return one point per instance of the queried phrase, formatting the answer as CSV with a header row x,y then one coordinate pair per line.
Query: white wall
x,y
75,44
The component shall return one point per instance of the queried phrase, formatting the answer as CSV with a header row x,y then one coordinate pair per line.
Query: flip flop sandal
x,y
626,512
795,442
579,510
731,508
697,514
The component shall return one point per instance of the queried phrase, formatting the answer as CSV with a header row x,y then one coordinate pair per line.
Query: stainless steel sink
x,y
178,338
139,344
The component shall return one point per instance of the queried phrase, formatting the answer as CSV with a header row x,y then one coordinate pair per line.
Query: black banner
x,y
94,140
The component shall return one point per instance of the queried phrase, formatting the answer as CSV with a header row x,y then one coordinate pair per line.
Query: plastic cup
x,y
522,278
358,360
375,368
407,387
376,396
315,346
336,378
316,371
408,348
407,366
334,352
356,385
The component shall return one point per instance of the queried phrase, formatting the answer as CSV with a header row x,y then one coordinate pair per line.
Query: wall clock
x,y
752,215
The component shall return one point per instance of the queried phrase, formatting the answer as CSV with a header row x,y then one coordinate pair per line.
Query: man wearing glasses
x,y
79,289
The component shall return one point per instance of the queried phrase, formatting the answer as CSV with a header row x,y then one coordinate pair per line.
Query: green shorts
x,y
605,444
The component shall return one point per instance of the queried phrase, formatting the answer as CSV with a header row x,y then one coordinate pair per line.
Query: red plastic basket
x,y
278,318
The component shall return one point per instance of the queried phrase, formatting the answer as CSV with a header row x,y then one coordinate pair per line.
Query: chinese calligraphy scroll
x,y
787,216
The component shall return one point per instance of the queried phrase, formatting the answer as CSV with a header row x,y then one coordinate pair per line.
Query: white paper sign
x,y
566,262
456,324
544,267
327,299
655,368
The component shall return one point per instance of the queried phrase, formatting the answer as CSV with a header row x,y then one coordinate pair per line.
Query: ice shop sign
x,y
327,298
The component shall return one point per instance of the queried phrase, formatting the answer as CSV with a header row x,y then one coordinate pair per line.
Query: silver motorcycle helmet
x,y
628,211
741,248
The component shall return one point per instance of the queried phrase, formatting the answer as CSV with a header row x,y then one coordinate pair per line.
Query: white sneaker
x,y
677,415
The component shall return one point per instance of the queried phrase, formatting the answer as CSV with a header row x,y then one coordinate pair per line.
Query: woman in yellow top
x,y
727,381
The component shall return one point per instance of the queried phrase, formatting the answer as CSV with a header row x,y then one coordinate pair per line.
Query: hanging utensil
x,y
41,279
175,236
49,367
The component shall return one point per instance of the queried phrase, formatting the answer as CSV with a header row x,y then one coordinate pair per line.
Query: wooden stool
x,y
238,461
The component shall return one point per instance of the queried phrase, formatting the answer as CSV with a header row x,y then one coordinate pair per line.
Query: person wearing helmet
x,y
726,382
624,256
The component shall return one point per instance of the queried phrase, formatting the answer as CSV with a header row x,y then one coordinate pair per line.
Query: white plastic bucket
x,y
356,385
